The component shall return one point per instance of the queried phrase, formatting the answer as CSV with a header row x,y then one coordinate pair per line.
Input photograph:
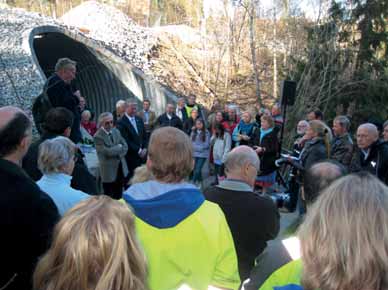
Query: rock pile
x,y
19,79
115,30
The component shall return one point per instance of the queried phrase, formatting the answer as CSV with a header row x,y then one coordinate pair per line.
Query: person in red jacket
x,y
87,124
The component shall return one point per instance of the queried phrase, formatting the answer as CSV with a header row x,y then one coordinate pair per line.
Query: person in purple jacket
x,y
200,138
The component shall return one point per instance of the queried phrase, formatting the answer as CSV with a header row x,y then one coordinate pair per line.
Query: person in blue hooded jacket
x,y
186,239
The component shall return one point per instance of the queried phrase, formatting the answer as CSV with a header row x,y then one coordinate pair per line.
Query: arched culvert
x,y
102,77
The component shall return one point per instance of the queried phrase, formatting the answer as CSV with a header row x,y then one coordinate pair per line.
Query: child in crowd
x,y
222,144
200,138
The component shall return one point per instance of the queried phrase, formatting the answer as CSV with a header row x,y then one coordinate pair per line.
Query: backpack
x,y
40,107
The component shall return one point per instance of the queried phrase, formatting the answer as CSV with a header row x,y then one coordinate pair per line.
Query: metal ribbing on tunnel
x,y
103,78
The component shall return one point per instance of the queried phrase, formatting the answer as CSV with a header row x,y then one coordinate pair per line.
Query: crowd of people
x,y
156,225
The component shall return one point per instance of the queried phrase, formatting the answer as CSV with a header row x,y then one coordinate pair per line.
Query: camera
x,y
283,200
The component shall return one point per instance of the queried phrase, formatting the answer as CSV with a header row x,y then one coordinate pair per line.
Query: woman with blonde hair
x,y
94,248
317,146
344,239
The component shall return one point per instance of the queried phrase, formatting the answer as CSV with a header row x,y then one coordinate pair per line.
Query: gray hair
x,y
103,116
343,121
64,63
86,112
239,157
385,124
54,154
120,103
131,102
371,128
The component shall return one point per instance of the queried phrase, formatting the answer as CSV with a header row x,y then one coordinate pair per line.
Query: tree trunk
x,y
252,16
275,63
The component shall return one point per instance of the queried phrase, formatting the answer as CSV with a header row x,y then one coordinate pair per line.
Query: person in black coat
x,y
316,148
371,153
266,144
180,110
252,219
27,215
169,118
61,93
59,123
132,129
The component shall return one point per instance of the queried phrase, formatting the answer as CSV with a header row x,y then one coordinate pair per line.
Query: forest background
x,y
338,55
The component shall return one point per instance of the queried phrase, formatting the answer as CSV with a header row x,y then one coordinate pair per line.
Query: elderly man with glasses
x,y
371,153
111,148
253,219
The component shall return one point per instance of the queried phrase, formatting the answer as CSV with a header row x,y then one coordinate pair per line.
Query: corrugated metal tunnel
x,y
102,79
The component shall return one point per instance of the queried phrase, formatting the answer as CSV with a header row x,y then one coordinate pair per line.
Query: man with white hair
x,y
371,154
27,215
121,107
253,219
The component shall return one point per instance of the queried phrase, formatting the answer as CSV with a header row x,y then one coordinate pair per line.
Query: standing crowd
x,y
158,226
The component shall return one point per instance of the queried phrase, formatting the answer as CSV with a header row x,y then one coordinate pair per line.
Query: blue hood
x,y
289,287
166,205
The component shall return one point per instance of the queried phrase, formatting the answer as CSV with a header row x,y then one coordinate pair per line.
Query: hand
x,y
259,150
77,94
245,137
143,153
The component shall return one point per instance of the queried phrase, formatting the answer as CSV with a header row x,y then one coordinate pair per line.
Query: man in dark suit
x,y
62,93
27,215
132,129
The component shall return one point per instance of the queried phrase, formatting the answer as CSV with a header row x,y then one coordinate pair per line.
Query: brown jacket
x,y
151,120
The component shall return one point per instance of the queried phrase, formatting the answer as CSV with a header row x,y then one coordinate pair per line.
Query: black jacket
x,y
27,217
164,121
342,149
314,151
375,163
271,145
135,141
61,95
253,220
82,179
188,125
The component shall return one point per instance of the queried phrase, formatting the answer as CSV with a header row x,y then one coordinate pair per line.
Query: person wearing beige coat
x,y
111,149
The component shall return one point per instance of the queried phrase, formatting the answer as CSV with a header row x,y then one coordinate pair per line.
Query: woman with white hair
x,y
56,161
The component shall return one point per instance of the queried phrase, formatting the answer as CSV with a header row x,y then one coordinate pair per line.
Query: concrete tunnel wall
x,y
102,77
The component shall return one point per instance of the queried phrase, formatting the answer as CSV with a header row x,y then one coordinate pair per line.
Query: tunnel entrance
x,y
99,79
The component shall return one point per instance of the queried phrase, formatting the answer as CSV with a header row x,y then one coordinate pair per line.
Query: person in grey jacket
x,y
111,149
201,148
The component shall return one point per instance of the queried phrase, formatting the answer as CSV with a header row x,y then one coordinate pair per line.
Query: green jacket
x,y
288,274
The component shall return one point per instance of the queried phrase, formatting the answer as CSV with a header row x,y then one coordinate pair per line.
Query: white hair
x,y
103,116
120,103
54,154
